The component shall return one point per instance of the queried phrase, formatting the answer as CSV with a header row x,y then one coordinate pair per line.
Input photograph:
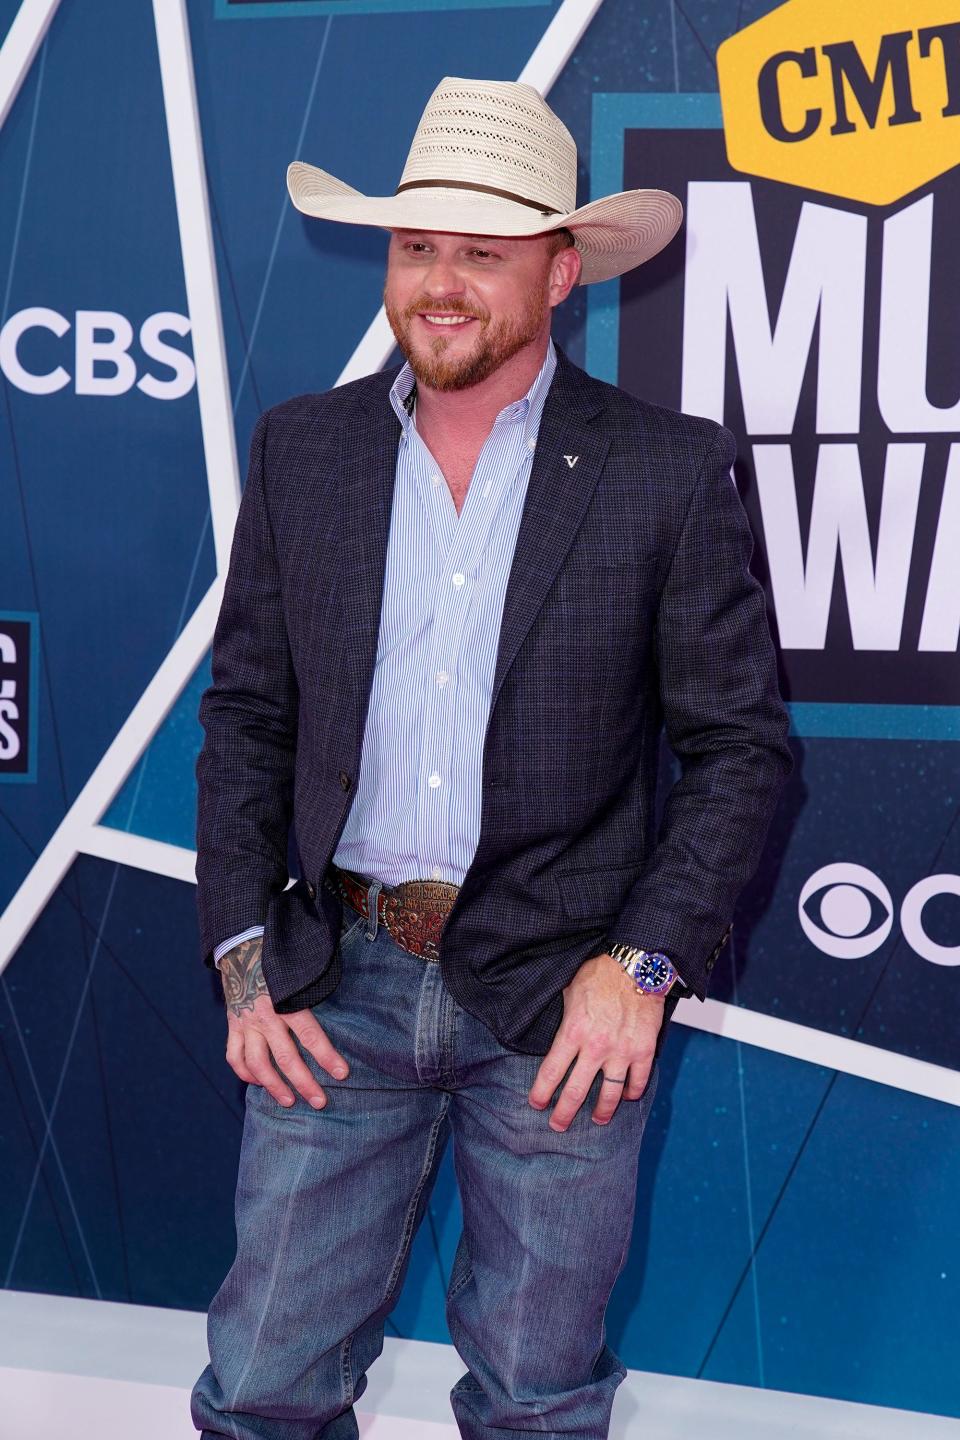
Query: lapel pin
x,y
571,460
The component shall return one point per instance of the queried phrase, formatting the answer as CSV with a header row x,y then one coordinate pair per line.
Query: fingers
x,y
288,1059
314,1038
590,1058
621,1078
235,1054
624,1076
256,1054
553,1067
262,1050
612,1088
637,1079
574,1093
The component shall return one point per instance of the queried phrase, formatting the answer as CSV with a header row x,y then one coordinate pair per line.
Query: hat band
x,y
483,190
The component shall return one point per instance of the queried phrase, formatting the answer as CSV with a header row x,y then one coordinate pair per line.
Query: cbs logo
x,y
847,911
102,364
9,738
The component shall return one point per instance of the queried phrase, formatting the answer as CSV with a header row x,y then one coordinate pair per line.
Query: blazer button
x,y
344,780
311,890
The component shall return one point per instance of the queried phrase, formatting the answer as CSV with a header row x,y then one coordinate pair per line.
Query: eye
x,y
483,254
846,911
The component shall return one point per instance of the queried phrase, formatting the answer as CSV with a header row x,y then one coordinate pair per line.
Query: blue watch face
x,y
655,972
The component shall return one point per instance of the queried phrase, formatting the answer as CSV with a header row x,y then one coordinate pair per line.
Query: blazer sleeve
x,y
245,769
725,722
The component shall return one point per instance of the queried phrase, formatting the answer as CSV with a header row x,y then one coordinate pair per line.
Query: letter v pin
x,y
571,460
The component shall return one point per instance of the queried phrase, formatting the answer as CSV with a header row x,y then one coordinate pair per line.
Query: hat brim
x,y
613,234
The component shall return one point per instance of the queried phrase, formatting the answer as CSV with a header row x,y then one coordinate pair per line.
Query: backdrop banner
x,y
797,1196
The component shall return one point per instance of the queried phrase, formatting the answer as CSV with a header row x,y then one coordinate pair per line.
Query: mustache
x,y
453,306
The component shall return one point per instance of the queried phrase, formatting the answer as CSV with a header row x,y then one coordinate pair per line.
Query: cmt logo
x,y
102,363
824,96
847,911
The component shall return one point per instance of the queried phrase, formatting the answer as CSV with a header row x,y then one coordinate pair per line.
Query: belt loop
x,y
373,916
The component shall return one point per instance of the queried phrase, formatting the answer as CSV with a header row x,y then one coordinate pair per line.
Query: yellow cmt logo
x,y
859,99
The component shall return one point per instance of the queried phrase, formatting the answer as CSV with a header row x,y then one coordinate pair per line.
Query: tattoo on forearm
x,y
242,975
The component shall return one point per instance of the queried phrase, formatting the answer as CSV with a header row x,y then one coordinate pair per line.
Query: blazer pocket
x,y
596,893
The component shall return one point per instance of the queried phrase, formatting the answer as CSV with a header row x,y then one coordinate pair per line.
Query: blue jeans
x,y
328,1201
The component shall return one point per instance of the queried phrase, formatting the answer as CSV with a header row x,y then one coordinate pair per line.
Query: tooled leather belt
x,y
412,913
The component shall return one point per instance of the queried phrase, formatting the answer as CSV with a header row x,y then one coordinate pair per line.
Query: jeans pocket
x,y
351,925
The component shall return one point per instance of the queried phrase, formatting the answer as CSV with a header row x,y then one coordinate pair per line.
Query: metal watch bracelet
x,y
652,971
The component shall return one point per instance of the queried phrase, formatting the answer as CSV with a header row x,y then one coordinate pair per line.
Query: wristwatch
x,y
652,970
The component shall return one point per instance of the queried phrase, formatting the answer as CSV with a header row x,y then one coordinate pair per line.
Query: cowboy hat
x,y
490,157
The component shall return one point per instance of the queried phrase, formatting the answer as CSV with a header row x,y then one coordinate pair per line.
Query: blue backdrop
x,y
796,1226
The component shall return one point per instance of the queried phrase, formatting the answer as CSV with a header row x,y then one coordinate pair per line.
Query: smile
x,y
447,319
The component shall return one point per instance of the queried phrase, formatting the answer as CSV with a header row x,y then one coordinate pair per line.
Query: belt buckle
x,y
413,896
416,899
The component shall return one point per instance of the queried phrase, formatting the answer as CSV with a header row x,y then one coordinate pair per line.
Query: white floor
x,y
91,1370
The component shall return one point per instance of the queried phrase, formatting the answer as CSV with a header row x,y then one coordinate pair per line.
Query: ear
x,y
564,273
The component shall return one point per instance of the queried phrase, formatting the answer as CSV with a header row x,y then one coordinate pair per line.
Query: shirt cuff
x,y
249,934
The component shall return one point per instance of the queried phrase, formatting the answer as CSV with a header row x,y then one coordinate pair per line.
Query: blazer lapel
x,y
567,464
368,464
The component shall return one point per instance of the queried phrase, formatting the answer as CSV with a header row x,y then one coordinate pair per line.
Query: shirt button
x,y
436,873
434,781
435,479
442,677
531,443
459,578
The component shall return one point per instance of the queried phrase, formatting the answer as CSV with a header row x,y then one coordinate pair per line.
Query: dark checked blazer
x,y
629,607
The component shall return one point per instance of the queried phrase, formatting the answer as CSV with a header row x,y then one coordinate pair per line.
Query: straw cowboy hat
x,y
491,158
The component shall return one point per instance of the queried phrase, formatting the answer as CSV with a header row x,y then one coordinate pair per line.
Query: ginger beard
x,y
495,343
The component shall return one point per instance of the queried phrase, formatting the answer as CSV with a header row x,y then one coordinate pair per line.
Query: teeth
x,y
448,319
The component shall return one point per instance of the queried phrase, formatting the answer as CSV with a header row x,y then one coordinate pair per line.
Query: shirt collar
x,y
527,410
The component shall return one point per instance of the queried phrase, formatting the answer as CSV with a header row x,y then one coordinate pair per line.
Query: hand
x,y
606,1026
255,1031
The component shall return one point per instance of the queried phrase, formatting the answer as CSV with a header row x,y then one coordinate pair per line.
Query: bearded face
x,y
461,306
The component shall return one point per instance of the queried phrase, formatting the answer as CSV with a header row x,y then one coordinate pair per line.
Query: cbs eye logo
x,y
847,911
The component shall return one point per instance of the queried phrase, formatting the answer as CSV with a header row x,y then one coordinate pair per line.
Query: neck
x,y
475,409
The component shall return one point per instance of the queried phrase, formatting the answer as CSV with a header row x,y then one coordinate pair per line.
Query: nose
x,y
442,278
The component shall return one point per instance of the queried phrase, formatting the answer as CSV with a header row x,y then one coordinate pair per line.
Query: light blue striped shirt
x,y
416,810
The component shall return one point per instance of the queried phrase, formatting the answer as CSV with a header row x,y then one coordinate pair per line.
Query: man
x,y
464,598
